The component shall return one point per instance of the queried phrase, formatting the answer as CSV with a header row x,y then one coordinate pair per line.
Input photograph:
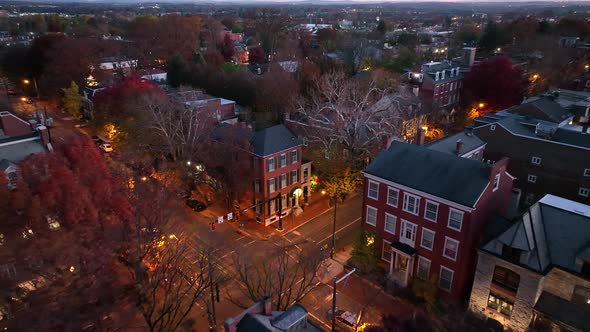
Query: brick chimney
x,y
267,306
45,137
420,136
459,148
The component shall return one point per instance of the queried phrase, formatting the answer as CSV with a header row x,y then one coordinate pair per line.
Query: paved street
x,y
319,229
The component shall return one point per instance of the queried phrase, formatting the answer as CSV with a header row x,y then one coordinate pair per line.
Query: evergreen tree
x,y
176,71
364,251
72,101
382,27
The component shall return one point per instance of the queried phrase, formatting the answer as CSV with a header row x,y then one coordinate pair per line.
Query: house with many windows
x,y
429,208
281,178
546,157
534,273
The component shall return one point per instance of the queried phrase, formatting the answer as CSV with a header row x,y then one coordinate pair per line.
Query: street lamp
x,y
481,105
26,81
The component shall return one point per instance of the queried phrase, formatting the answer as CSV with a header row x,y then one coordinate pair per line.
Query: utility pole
x,y
212,292
334,226
336,281
280,198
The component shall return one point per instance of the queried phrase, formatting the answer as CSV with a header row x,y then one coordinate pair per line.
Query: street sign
x,y
220,220
230,216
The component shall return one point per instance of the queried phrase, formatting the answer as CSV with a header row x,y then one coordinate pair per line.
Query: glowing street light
x,y
143,178
535,76
23,99
188,163
587,67
481,105
26,81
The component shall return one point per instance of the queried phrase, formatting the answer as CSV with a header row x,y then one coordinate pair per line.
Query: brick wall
x,y
562,283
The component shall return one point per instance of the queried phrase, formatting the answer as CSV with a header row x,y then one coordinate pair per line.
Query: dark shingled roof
x,y
543,109
272,140
562,311
450,177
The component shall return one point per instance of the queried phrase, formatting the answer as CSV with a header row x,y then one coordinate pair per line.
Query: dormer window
x,y
443,75
437,76
511,254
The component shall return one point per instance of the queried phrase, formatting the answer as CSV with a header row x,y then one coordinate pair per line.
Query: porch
x,y
401,265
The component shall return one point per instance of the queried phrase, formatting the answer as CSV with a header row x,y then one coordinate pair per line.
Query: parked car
x,y
346,318
12,92
196,205
106,147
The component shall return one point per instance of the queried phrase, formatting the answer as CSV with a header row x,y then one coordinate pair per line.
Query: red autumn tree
x,y
257,55
227,48
495,83
66,232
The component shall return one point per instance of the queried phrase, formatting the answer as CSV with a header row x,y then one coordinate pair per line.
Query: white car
x,y
106,147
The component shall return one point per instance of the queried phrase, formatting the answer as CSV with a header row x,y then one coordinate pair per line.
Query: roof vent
x,y
544,131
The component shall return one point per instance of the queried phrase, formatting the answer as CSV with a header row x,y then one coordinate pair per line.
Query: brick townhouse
x,y
281,177
534,273
429,208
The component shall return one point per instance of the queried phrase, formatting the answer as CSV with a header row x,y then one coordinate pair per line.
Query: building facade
x,y
545,157
429,208
535,273
281,178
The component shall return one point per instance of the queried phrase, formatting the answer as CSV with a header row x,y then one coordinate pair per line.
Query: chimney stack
x,y
459,149
468,56
420,135
469,130
267,306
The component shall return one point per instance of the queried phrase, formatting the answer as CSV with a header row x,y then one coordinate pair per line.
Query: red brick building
x,y
429,208
281,178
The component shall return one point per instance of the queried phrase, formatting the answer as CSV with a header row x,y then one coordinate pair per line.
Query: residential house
x,y
261,318
463,144
224,110
429,208
18,140
439,84
156,75
281,177
545,157
534,273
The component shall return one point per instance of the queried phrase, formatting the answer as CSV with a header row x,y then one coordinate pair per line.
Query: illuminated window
x,y
451,248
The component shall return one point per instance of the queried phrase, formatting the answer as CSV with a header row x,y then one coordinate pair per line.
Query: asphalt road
x,y
319,229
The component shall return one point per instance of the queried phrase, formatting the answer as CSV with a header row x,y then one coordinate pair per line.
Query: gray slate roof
x,y
272,140
555,231
525,126
20,150
542,108
292,320
450,177
448,144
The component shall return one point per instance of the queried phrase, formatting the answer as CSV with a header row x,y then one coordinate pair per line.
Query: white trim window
x,y
587,172
272,185
431,211
283,159
294,156
451,248
371,218
373,190
270,164
408,233
411,203
386,251
427,241
455,219
392,196
496,182
283,180
584,192
531,178
390,223
536,160
423,270
493,127
445,280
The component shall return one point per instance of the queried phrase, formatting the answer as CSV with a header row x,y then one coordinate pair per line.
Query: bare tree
x,y
179,125
285,275
352,115
171,285
271,26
